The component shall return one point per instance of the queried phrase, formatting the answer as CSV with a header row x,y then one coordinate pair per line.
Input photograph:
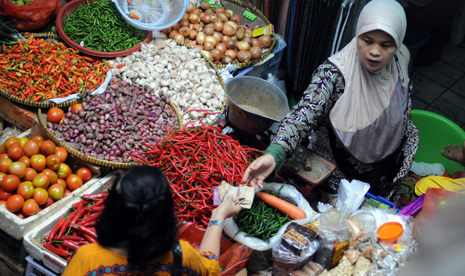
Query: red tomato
x,y
62,153
26,160
15,203
2,149
18,169
30,174
10,141
53,162
56,192
40,196
54,114
4,156
67,192
15,151
75,108
73,182
31,147
84,174
64,171
30,207
38,162
2,175
52,176
47,203
47,148
5,165
22,141
10,183
3,203
41,181
20,215
26,190
4,195
39,139
62,183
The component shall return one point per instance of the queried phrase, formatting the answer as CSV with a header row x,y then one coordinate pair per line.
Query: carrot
x,y
287,208
226,256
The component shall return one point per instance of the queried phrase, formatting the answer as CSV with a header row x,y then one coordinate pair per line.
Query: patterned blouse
x,y
310,117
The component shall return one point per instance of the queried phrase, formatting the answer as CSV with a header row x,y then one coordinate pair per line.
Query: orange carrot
x,y
287,208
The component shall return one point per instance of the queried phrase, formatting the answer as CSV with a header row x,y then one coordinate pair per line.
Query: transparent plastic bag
x,y
362,227
32,16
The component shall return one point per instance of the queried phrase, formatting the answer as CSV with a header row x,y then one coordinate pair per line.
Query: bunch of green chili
x,y
101,27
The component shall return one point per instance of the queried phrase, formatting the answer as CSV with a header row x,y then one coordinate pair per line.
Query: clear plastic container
x,y
152,14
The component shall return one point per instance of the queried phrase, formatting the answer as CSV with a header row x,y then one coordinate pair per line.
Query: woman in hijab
x,y
356,108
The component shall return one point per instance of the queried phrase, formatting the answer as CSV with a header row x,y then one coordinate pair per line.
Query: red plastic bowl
x,y
66,10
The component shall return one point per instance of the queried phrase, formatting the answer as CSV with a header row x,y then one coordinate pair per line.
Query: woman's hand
x,y
226,209
259,170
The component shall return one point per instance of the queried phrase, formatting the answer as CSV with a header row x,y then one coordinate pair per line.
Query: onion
x,y
205,5
256,43
248,40
179,37
233,38
196,11
221,47
217,54
201,15
210,12
231,53
208,46
186,40
207,54
208,30
197,27
248,32
240,33
193,34
190,8
255,52
190,42
225,39
218,36
200,38
211,39
185,31
230,12
228,30
265,40
220,9
206,18
176,26
191,26
209,25
231,45
185,16
194,18
243,56
184,23
167,30
201,24
232,24
218,26
226,59
236,18
222,16
172,34
243,45
198,47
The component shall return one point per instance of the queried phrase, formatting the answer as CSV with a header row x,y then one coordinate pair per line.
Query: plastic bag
x,y
32,16
9,132
288,191
351,195
362,227
426,169
310,269
435,199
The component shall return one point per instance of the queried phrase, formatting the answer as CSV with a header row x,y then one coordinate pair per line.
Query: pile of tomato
x,y
33,175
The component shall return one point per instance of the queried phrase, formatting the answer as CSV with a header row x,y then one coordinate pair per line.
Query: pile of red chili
x,y
77,228
37,70
195,161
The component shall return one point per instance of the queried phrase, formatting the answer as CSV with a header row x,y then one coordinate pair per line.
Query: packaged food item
x,y
362,266
344,268
332,248
352,255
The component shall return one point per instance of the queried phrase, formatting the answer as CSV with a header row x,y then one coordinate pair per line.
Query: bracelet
x,y
216,222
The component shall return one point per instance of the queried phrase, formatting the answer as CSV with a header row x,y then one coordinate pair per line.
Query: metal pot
x,y
254,104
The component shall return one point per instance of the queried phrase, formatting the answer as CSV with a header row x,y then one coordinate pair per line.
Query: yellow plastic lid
x,y
390,231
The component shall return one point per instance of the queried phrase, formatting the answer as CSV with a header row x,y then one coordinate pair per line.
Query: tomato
x,y
75,108
30,174
67,192
62,153
4,156
31,147
52,176
47,203
26,160
22,141
3,203
18,169
20,215
2,175
10,183
30,207
15,151
73,182
11,140
38,162
40,196
61,182
41,181
47,148
56,191
5,165
53,162
26,190
15,203
2,149
84,174
64,171
39,139
4,195
54,114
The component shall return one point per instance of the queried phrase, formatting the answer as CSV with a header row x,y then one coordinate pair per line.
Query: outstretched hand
x,y
259,170
226,209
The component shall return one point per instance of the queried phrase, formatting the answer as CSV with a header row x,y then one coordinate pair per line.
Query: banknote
x,y
243,195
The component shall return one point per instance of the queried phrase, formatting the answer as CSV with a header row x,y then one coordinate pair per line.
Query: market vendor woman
x,y
356,108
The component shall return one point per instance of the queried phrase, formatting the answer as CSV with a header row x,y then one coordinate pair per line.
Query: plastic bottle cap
x,y
390,231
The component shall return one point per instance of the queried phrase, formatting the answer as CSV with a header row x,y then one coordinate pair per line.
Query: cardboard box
x,y
18,115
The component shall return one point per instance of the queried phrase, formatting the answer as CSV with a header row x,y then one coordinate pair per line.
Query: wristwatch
x,y
215,222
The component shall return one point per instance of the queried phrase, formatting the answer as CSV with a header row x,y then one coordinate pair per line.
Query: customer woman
x,y
356,109
137,232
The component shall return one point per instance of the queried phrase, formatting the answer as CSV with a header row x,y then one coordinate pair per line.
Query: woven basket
x,y
38,104
1,127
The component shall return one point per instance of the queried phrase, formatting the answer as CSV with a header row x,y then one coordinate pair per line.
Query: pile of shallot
x,y
110,126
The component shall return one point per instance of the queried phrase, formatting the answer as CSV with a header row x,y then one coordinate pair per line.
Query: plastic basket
x,y
152,14
35,269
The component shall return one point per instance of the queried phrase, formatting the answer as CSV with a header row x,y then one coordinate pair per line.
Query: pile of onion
x,y
218,34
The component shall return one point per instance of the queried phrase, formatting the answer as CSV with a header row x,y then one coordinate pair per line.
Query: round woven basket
x,y
1,127
38,104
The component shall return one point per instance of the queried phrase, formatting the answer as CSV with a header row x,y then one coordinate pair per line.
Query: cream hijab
x,y
368,94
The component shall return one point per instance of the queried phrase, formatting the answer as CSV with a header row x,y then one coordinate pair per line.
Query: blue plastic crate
x,y
35,269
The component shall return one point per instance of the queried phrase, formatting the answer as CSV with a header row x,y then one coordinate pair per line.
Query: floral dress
x,y
310,117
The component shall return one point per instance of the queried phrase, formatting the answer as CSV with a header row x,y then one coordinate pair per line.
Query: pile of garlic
x,y
179,73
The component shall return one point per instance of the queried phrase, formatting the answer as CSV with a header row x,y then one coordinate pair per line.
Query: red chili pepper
x,y
85,230
90,218
60,252
55,229
72,238
65,225
70,245
89,238
94,196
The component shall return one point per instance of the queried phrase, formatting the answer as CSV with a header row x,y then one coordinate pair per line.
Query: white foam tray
x,y
33,245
